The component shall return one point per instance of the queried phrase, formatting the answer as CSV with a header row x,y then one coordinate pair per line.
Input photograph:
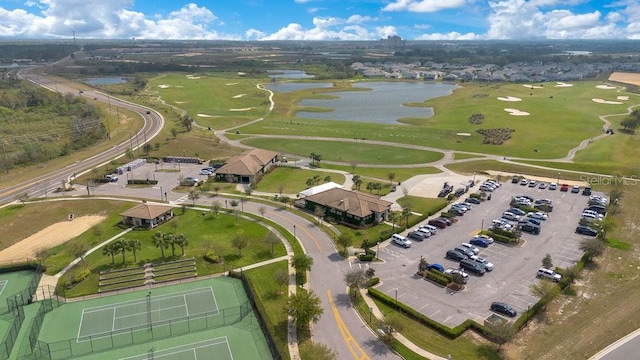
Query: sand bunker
x,y
605,87
561,84
191,77
207,115
623,98
49,237
516,112
231,84
243,109
603,101
463,134
163,86
509,98
180,102
239,96
532,86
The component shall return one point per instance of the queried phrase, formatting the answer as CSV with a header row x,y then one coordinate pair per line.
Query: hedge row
x,y
373,282
438,277
142,182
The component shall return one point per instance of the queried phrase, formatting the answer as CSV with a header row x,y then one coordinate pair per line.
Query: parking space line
x,y
424,306
433,314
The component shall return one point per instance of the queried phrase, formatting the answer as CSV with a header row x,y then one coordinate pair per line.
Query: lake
x,y
383,104
106,81
286,87
289,74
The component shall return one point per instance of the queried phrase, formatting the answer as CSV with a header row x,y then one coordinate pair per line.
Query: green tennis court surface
x,y
209,349
143,314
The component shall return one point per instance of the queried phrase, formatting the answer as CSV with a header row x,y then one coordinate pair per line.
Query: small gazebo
x,y
147,215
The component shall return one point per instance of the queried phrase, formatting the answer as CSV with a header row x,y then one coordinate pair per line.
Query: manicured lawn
x,y
461,156
485,165
204,233
294,180
270,302
425,206
381,173
347,152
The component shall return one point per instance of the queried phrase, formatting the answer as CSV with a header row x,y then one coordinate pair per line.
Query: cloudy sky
x,y
320,19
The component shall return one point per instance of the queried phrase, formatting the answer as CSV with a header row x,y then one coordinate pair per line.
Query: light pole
x,y
242,204
474,177
482,225
294,232
160,193
378,251
370,312
226,204
396,299
558,178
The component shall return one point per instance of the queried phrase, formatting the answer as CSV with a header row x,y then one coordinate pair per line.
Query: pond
x,y
383,104
289,74
286,87
106,81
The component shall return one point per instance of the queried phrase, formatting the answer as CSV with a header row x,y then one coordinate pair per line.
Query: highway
x,y
39,186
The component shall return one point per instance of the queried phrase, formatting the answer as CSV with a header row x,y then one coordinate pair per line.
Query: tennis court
x,y
218,347
145,313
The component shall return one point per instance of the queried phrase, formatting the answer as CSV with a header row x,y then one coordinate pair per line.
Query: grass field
x,y
293,180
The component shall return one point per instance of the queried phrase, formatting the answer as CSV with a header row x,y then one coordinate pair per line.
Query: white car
x,y
401,240
599,216
482,261
502,223
432,229
538,215
590,216
424,231
474,249
549,274
495,183
510,216
465,276
553,186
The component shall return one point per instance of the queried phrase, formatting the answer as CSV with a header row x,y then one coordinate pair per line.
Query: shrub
x,y
438,277
447,215
77,279
476,195
366,257
373,282
212,257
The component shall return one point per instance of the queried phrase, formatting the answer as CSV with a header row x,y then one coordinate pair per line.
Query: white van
x,y
400,240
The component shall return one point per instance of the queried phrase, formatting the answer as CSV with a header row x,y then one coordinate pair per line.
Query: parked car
x,y
424,231
528,220
417,235
553,186
515,180
438,222
432,229
586,190
436,267
600,209
472,200
475,250
543,185
456,211
586,230
503,308
510,216
206,172
564,187
530,228
446,220
472,266
549,274
538,215
401,240
486,188
482,261
464,250
575,189
517,211
464,275
111,177
524,182
455,255
533,183
479,242
591,216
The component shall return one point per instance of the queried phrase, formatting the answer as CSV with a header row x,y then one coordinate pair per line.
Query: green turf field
x,y
186,321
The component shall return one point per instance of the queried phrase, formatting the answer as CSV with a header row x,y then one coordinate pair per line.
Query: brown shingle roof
x,y
146,211
352,202
247,163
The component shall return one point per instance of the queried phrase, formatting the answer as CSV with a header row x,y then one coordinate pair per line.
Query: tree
x,y
174,133
406,213
272,240
389,326
194,195
327,178
239,241
147,148
262,210
310,350
630,123
216,189
282,278
159,240
215,207
187,122
344,240
121,246
545,290
234,204
133,245
319,212
248,190
181,241
129,153
391,176
592,248
547,262
356,279
110,249
393,217
500,332
302,263
97,231
357,181
280,189
23,198
304,307
353,167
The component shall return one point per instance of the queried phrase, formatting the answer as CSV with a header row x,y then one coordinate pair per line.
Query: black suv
x,y
455,255
503,308
472,266
586,230
417,235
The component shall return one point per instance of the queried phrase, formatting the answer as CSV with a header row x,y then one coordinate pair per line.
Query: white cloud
x,y
302,1
423,6
450,36
322,31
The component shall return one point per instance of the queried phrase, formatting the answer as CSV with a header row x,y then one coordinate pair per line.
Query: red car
x,y
564,187
438,223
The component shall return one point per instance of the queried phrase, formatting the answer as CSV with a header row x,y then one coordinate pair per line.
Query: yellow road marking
x,y
357,352
305,230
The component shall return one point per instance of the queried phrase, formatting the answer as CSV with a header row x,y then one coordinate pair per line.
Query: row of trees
x,y
631,122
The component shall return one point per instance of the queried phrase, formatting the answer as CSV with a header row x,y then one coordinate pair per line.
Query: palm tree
x,y
121,246
109,249
171,241
181,241
159,240
406,213
134,245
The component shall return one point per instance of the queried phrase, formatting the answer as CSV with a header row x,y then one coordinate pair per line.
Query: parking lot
x,y
515,267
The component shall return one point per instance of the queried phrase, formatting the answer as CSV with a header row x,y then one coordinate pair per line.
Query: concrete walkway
x,y
406,342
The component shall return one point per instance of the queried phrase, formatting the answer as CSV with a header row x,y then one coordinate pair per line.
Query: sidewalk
x,y
406,342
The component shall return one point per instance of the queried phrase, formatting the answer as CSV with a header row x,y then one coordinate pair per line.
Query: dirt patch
x,y
49,237
626,78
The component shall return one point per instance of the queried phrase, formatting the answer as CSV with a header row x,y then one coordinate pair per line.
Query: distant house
x,y
147,215
247,167
351,208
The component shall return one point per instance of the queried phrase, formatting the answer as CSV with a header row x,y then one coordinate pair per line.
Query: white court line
x,y
185,348
3,283
157,297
